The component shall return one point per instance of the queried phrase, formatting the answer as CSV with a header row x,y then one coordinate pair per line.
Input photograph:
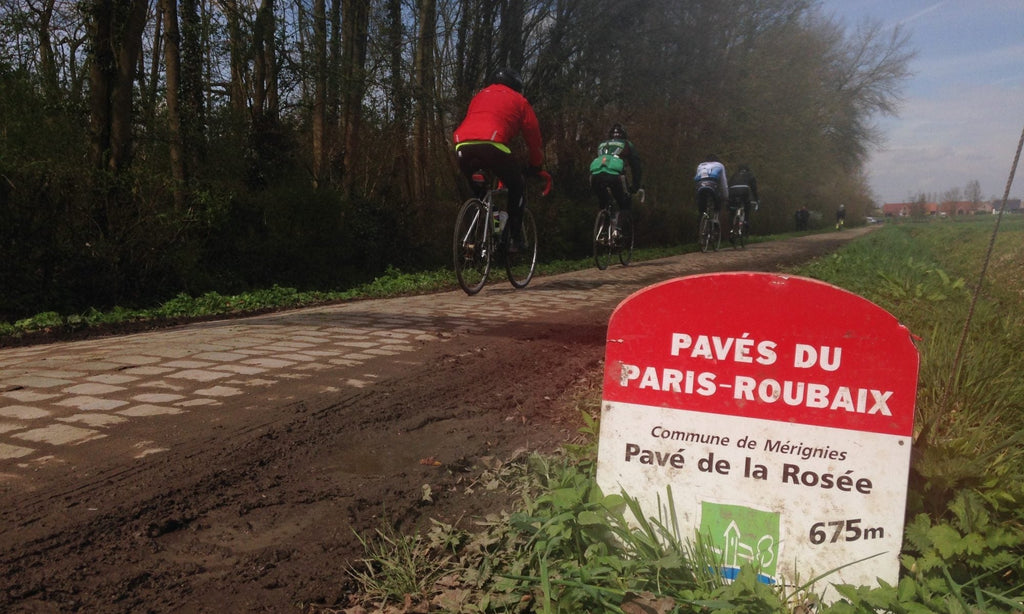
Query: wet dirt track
x,y
228,465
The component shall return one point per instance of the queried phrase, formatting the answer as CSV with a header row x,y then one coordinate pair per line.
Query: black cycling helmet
x,y
617,132
508,78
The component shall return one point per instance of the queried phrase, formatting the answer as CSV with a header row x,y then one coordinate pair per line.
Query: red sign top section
x,y
765,346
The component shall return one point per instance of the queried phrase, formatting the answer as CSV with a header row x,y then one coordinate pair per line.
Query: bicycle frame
x,y
709,233
475,239
613,233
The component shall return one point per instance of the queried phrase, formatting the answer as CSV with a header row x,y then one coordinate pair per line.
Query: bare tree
x,y
867,71
972,192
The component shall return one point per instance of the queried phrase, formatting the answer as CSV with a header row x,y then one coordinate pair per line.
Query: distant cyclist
x,y
496,115
840,216
712,185
608,169
742,192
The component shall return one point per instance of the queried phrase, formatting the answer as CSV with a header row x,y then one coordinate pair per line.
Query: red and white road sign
x,y
779,412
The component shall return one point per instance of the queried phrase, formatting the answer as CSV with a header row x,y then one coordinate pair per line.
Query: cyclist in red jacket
x,y
496,115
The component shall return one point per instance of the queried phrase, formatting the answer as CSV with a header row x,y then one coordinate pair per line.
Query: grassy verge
x,y
183,307
567,547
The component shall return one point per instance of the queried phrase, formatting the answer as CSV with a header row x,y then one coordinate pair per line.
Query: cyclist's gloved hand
x,y
532,171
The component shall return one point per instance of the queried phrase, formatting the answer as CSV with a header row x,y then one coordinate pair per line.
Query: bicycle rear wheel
x,y
602,239
521,264
736,235
624,242
704,233
741,231
716,234
471,249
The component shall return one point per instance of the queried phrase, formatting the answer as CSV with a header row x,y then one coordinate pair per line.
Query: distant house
x,y
908,209
948,208
1013,205
958,207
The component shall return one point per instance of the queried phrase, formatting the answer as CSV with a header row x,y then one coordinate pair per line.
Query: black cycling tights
x,y
705,197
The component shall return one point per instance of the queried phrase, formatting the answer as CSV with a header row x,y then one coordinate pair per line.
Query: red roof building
x,y
962,207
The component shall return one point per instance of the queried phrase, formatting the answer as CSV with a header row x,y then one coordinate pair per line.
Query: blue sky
x,y
963,109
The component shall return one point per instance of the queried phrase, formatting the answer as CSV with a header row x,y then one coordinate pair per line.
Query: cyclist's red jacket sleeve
x,y
497,114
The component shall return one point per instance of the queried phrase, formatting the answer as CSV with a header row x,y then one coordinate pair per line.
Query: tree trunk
x,y
149,82
264,130
237,57
265,62
116,28
319,106
47,63
193,108
397,124
355,24
424,111
473,52
396,78
172,58
511,50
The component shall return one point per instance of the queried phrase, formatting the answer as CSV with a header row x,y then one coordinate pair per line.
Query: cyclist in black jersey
x,y
743,192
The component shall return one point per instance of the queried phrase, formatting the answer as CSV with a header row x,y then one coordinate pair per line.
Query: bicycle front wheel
x,y
602,239
521,263
471,249
624,242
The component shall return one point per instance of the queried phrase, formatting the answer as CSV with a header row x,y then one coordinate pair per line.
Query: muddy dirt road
x,y
227,466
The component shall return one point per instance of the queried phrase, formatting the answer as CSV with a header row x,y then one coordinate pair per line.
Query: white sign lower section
x,y
775,487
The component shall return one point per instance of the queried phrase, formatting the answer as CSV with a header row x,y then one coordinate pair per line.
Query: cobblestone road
x,y
64,394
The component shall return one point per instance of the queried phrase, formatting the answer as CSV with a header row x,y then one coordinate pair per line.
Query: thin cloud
x,y
920,13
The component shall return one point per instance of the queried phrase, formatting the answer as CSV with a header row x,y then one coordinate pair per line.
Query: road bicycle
x,y
738,227
482,236
613,233
709,233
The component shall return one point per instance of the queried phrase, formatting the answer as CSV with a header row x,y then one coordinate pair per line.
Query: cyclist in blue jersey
x,y
712,185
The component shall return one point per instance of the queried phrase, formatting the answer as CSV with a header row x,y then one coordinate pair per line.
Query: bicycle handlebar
x,y
643,195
